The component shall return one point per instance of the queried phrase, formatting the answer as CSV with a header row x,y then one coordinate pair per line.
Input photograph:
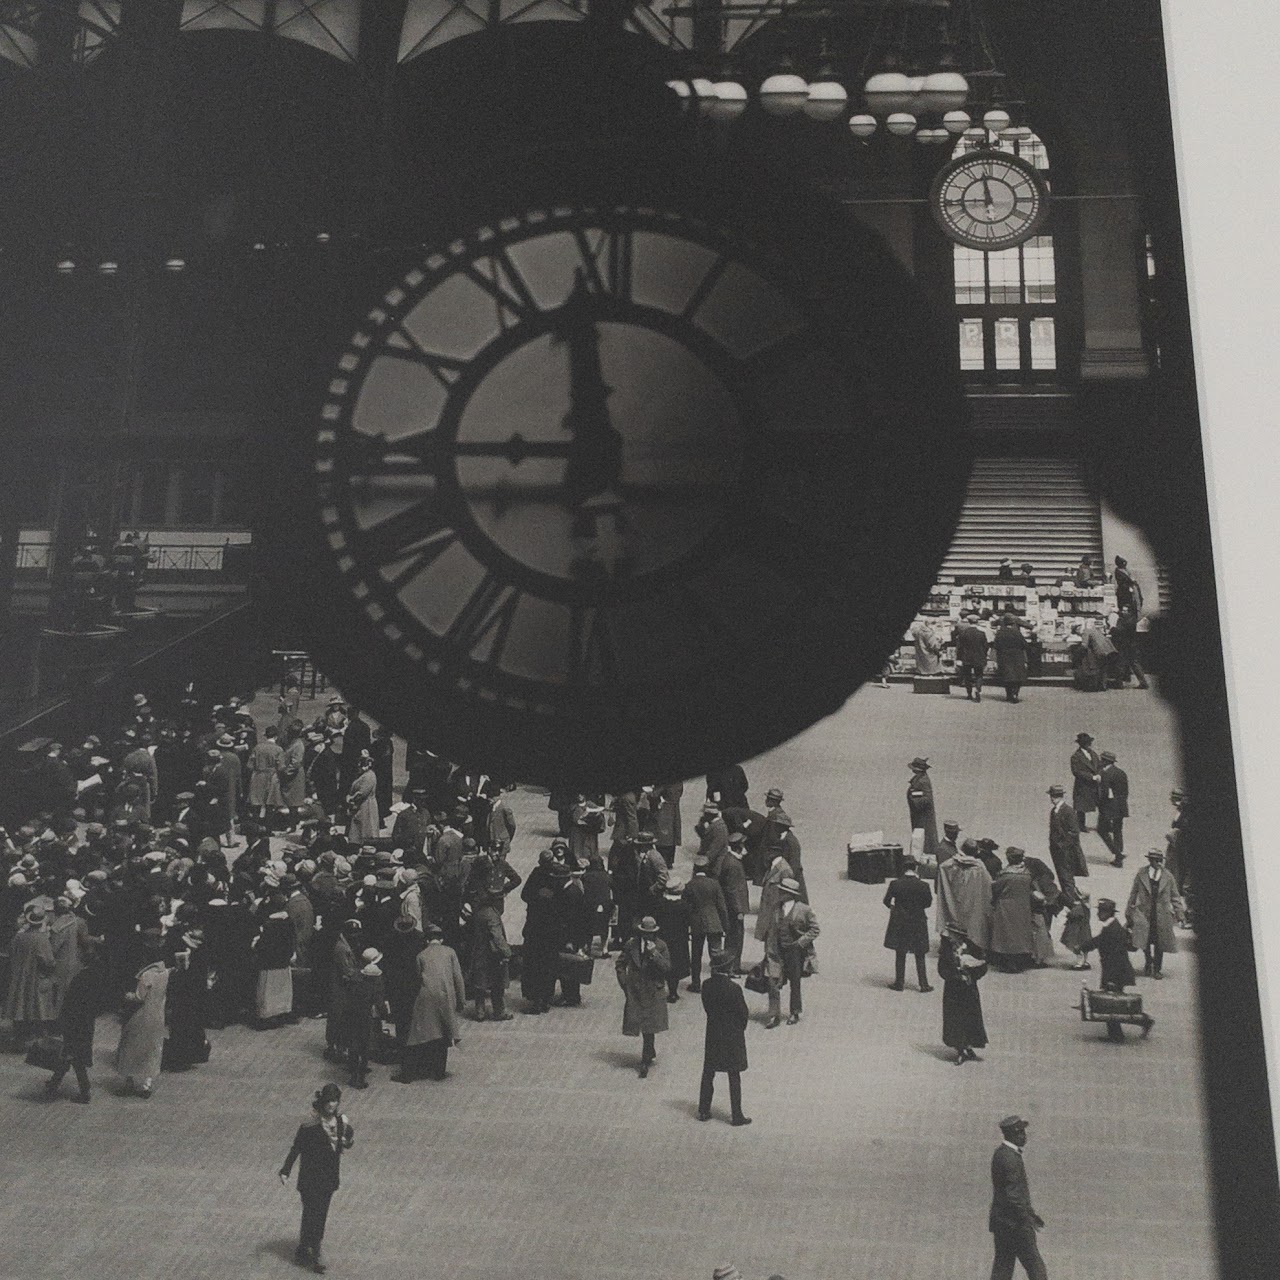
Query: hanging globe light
x,y
902,124
944,91
784,94
996,120
1017,133
915,96
728,102
827,100
175,264
862,126
932,137
955,121
108,268
886,92
65,267
976,133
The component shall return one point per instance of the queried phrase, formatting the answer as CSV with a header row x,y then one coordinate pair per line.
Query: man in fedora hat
x,y
318,1145
737,896
1012,1220
1154,905
1064,841
788,945
713,835
725,1044
367,1009
920,807
642,974
908,899
1086,770
1113,806
708,915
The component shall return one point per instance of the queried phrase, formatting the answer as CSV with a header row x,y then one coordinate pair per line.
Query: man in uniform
x,y
1113,806
1012,1220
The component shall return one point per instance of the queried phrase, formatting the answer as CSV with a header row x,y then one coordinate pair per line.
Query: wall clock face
x,y
989,199
573,479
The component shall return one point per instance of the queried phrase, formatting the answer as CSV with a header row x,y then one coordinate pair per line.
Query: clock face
x,y
989,199
573,472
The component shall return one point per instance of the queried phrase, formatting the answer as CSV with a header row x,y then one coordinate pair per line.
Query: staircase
x,y
1029,509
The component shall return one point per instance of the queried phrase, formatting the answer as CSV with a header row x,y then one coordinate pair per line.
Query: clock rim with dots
x,y
1037,196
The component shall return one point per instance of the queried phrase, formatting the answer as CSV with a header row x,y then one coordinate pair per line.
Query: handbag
x,y
45,1052
756,981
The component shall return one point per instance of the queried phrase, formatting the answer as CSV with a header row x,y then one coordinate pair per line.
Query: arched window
x,y
1006,300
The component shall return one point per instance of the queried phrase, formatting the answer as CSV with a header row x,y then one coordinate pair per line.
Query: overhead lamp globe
x,y
862,125
945,91
827,100
108,268
784,94
175,264
902,124
996,120
65,267
728,101
956,121
887,92
976,133
1017,133
932,137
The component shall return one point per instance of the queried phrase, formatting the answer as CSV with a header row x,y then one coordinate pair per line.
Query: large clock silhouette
x,y
605,490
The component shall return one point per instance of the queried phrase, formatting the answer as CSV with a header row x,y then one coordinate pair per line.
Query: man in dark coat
x,y
1012,1220
1124,635
949,845
410,830
713,836
490,879
725,1046
545,932
727,787
708,915
737,896
908,899
971,655
920,805
1086,766
1064,841
1113,806
1011,658
319,1145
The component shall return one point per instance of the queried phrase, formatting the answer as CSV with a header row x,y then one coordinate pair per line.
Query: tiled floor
x,y
545,1156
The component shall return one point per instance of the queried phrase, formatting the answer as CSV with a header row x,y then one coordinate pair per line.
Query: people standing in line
x,y
317,1147
920,807
972,648
433,1029
725,1042
1113,806
1012,1221
1064,841
788,949
642,974
1154,906
1011,657
737,896
1086,770
708,915
961,966
142,1033
908,899
674,913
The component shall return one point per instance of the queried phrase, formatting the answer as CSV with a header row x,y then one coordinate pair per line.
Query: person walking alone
x,y
1012,1221
725,1046
642,970
318,1146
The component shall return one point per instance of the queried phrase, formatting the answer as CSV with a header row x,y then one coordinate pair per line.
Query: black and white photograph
x,y
613,661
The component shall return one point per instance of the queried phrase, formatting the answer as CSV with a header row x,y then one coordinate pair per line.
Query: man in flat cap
x,y
1113,806
1064,841
972,647
1012,1220
1086,770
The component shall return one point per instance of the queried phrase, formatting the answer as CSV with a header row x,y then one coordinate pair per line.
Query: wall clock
x,y
606,491
989,199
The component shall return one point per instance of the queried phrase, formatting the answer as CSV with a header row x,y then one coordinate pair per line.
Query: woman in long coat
x,y
76,1021
142,1034
265,761
1011,932
273,950
961,967
30,1002
673,915
69,938
642,974
188,1002
400,973
1151,911
1011,657
441,997
293,773
362,804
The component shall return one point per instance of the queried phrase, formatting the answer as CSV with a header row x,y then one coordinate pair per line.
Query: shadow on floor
x,y
939,1051
282,1249
618,1058
684,1105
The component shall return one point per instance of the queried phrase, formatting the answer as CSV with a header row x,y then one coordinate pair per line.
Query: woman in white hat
x,y
364,822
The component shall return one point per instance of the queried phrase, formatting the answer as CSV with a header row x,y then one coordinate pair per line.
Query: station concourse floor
x,y
544,1156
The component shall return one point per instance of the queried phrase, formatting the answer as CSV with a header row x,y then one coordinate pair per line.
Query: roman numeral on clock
x,y
593,658
485,619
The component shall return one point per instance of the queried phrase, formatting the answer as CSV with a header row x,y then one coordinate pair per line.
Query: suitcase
x,y
1098,1006
872,864
931,684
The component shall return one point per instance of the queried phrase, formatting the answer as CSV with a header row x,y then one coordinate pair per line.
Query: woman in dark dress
x,y
961,966
188,1010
